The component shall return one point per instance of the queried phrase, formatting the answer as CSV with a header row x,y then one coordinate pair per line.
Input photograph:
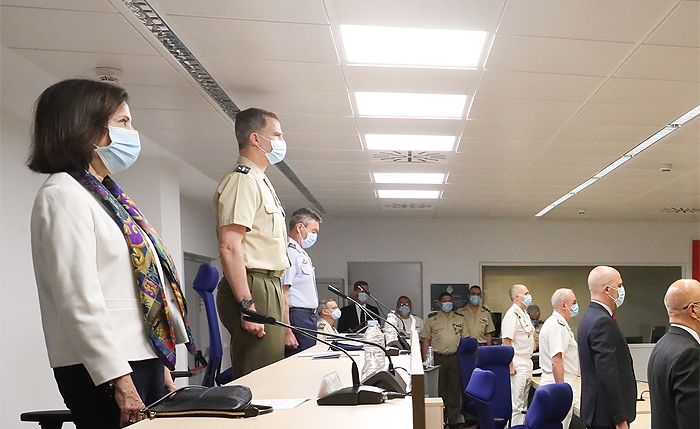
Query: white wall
x,y
198,227
453,250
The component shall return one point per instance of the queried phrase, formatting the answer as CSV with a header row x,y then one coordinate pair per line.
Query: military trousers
x,y
249,352
450,386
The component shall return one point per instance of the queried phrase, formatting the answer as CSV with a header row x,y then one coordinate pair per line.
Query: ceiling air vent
x,y
408,206
680,210
414,157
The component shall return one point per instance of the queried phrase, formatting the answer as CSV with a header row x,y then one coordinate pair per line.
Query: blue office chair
x,y
466,358
204,284
549,407
497,360
480,391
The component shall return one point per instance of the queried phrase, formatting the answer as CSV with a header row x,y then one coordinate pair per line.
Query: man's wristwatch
x,y
246,303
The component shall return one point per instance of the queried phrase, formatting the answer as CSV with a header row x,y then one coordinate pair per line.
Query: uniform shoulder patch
x,y
432,314
486,308
242,168
458,313
292,245
561,323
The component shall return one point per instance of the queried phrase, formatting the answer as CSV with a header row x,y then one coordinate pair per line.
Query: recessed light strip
x,y
408,193
413,142
650,141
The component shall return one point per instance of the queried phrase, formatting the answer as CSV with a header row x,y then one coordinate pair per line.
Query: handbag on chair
x,y
199,401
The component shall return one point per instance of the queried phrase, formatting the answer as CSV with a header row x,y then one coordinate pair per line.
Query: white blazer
x,y
87,292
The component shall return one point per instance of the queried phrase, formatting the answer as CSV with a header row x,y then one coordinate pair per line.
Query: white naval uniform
x,y
557,337
517,326
301,276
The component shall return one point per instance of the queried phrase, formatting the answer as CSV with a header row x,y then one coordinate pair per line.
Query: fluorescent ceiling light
x,y
695,111
656,137
412,47
404,193
409,142
417,178
410,105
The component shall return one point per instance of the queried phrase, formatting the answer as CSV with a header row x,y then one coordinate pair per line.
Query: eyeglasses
x,y
692,303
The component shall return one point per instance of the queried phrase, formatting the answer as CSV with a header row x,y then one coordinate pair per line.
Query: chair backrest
x,y
466,358
549,406
204,284
497,359
480,390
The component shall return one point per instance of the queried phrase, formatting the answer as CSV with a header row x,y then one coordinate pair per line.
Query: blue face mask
x,y
446,306
620,296
404,310
527,299
335,314
279,150
474,299
122,152
574,310
310,239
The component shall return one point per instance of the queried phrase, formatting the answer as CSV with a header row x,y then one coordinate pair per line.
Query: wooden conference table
x,y
300,377
643,420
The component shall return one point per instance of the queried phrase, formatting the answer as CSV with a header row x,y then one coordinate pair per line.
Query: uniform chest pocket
x,y
483,322
307,268
275,212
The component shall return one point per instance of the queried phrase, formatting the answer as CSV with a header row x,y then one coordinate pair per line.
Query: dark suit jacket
x,y
348,319
608,385
674,381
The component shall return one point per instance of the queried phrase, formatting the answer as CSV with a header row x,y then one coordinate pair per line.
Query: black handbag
x,y
200,401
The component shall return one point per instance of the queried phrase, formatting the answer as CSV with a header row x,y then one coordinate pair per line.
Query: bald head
x,y
517,294
602,282
681,293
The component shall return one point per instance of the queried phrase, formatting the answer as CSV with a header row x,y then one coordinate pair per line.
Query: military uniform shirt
x,y
323,326
477,325
301,277
444,331
517,326
557,337
246,197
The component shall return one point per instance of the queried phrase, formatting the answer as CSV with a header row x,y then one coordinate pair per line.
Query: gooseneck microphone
x,y
402,341
388,310
357,394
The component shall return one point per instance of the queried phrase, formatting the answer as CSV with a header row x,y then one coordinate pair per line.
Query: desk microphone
x,y
357,394
387,380
402,341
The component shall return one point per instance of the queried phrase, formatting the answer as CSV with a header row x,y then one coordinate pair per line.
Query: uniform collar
x,y
604,306
296,245
253,166
560,318
691,331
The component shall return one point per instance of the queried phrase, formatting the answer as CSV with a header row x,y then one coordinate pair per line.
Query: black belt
x,y
306,310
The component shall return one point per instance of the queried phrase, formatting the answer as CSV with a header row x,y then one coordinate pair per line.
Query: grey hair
x,y
323,304
559,296
514,290
303,216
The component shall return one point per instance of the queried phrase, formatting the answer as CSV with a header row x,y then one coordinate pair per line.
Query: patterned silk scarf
x,y
152,293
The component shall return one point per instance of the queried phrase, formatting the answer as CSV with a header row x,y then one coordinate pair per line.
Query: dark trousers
x,y
94,406
303,318
450,386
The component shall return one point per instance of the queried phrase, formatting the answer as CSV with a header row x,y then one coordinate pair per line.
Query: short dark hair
x,y
249,121
303,216
70,118
360,284
475,287
444,294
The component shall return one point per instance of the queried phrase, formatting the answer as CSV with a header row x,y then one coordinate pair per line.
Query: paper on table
x,y
308,353
281,404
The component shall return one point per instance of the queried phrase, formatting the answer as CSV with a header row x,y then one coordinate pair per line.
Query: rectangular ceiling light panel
x,y
409,142
410,105
412,47
411,178
405,193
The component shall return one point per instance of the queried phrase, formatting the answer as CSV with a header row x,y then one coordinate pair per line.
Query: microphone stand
x,y
402,341
388,380
357,394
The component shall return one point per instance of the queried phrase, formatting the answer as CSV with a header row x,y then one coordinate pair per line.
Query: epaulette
x,y
486,308
242,168
432,314
292,245
561,323
458,313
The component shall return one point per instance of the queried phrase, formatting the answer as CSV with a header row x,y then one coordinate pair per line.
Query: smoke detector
x,y
108,74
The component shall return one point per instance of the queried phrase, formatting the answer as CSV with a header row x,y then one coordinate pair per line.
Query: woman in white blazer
x,y
111,305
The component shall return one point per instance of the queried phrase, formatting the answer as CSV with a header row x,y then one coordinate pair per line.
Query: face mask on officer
x,y
278,149
446,306
404,310
335,314
310,239
362,297
620,296
475,299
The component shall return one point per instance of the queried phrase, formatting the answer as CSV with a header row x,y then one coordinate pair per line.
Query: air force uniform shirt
x,y
301,277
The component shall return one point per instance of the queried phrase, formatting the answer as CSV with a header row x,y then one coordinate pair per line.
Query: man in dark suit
x,y
674,366
353,318
608,386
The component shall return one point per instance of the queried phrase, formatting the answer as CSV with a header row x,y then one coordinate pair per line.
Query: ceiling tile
x,y
296,102
623,20
252,75
537,86
180,119
663,63
514,109
681,27
297,123
83,5
256,40
421,80
337,142
605,133
510,130
446,127
90,31
298,11
566,56
165,97
621,114
680,95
